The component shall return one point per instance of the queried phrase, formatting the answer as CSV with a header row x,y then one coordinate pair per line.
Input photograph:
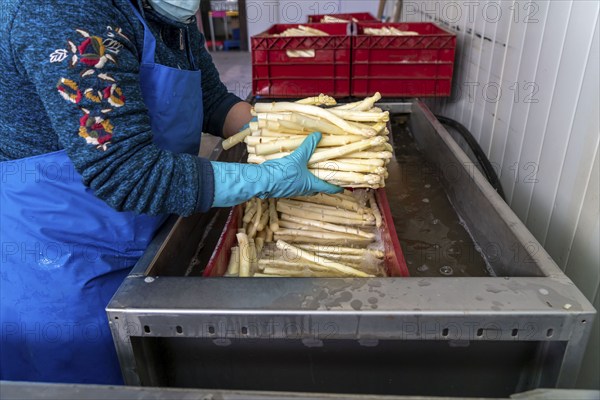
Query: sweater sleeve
x,y
83,62
216,98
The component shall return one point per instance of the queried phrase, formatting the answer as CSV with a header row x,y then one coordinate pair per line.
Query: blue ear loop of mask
x,y
178,10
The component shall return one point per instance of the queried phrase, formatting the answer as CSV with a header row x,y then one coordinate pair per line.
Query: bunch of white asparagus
x,y
316,236
354,149
301,30
388,31
328,19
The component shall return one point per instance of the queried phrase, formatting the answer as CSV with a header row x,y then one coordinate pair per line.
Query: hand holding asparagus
x,y
354,148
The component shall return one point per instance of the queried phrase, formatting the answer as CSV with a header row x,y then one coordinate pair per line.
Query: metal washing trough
x,y
523,328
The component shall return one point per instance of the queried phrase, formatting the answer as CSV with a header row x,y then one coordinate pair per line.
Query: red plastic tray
x,y
403,66
276,74
393,258
364,16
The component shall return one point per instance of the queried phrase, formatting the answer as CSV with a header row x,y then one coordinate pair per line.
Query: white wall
x,y
527,86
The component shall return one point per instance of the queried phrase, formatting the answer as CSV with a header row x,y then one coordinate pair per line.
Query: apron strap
x,y
149,40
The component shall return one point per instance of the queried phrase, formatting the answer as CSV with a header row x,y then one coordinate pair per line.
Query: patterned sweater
x,y
69,77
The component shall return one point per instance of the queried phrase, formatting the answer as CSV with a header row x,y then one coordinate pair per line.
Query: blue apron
x,y
64,252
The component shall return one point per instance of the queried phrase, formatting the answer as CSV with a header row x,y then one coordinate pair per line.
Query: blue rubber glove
x,y
285,177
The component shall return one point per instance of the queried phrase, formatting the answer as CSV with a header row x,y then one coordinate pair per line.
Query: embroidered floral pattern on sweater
x,y
69,90
99,90
95,130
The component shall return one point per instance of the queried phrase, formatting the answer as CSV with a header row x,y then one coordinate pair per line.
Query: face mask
x,y
178,10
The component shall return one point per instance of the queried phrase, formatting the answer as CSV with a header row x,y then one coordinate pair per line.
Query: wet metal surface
x,y
433,239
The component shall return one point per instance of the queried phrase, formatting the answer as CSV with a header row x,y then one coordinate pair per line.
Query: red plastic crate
x,y
364,16
403,66
393,255
277,74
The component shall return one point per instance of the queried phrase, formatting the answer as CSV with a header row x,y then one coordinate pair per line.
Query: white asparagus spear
x,y
233,268
285,224
285,126
347,149
287,211
269,237
267,133
289,126
274,258
356,186
346,195
322,209
254,140
371,155
319,248
321,99
315,234
312,31
335,165
253,227
372,162
264,219
294,263
235,139
279,145
244,254
253,253
375,209
325,262
367,103
326,199
348,258
331,227
346,177
270,116
250,211
346,106
316,124
351,115
316,111
254,159
356,241
260,240
270,271
273,219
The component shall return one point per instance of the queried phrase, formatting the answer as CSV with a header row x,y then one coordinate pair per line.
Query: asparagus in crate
x,y
354,149
388,31
314,236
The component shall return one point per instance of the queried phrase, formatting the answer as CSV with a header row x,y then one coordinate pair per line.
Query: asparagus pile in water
x,y
353,152
316,236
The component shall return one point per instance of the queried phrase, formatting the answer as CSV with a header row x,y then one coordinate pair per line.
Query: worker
x,y
102,107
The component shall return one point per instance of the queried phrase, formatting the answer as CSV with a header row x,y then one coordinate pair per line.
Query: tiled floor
x,y
235,69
